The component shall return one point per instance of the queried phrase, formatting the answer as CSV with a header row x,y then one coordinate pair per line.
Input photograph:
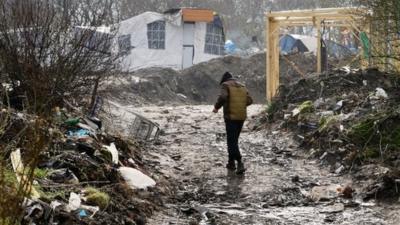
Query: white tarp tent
x,y
173,40
309,41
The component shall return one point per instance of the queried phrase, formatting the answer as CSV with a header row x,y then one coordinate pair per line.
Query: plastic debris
x,y
92,209
19,170
72,121
136,179
89,129
93,125
63,176
82,213
380,93
81,133
114,152
182,96
230,47
55,204
338,106
74,202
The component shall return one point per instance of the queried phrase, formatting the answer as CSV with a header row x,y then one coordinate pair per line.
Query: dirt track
x,y
192,151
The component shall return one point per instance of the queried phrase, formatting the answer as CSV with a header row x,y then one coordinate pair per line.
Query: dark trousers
x,y
233,129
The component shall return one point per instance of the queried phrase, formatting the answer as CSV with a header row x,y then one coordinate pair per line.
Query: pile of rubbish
x,y
349,120
199,84
82,174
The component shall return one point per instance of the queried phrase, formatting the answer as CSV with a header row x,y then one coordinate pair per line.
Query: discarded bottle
x,y
72,121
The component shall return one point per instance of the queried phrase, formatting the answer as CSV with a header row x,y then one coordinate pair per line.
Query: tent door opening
x,y
188,45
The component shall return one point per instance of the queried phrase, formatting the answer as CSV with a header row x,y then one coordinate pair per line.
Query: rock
x,y
336,208
347,191
295,179
176,157
324,193
330,218
136,179
129,222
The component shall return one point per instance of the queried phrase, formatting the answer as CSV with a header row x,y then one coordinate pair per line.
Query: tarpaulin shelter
x,y
177,38
290,44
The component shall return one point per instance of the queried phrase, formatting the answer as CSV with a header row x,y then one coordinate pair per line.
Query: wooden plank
x,y
294,24
272,57
333,18
314,12
319,56
197,15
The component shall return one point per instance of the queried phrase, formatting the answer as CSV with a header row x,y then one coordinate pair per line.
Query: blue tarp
x,y
289,44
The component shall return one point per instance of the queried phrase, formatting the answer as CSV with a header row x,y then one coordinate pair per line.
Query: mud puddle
x,y
276,189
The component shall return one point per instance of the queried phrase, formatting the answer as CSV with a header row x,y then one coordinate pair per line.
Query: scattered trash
x,y
64,176
78,134
144,129
74,202
82,213
182,96
380,93
340,169
136,179
338,106
55,204
92,209
113,151
72,122
20,171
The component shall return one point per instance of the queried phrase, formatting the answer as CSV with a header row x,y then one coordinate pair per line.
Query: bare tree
x,y
53,48
49,50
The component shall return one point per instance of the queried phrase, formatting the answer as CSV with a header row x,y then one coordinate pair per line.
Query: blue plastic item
x,y
230,47
82,213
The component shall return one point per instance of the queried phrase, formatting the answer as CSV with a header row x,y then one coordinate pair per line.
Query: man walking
x,y
234,98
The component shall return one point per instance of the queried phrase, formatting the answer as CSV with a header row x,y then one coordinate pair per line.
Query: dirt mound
x,y
200,83
347,119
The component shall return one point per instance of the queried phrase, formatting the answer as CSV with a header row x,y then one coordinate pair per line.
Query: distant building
x,y
176,39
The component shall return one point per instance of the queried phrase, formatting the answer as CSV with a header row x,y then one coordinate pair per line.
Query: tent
x,y
290,44
176,39
337,50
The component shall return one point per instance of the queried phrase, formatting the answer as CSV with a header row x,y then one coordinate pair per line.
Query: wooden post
x,y
333,17
319,55
272,57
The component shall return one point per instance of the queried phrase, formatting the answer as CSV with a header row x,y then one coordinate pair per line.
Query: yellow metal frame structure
x,y
351,18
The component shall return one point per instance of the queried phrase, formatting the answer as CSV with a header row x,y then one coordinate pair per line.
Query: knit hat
x,y
227,76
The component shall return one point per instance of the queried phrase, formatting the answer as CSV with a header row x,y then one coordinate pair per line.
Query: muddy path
x,y
276,189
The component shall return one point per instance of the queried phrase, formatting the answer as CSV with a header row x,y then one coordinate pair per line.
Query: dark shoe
x,y
240,168
231,165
